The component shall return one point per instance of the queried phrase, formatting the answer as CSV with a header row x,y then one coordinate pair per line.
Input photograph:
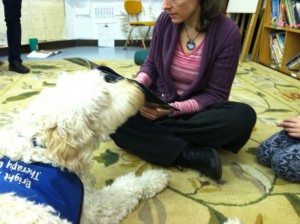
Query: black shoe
x,y
204,159
17,66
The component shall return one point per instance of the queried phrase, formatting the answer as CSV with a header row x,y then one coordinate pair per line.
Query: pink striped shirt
x,y
184,69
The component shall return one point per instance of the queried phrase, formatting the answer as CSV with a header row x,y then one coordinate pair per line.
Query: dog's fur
x,y
68,122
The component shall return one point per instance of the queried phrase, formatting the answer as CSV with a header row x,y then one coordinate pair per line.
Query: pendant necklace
x,y
191,42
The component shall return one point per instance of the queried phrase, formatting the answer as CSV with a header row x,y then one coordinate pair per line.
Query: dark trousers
x,y
12,13
227,126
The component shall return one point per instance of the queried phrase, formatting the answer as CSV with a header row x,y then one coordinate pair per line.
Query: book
x,y
151,100
294,62
296,9
281,39
275,12
275,48
290,13
283,15
83,62
42,53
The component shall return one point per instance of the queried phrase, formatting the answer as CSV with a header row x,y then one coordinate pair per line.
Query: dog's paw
x,y
153,182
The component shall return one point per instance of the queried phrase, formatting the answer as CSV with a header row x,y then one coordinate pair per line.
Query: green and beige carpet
x,y
247,190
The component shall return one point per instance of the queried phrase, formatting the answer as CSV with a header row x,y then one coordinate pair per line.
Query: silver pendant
x,y
190,45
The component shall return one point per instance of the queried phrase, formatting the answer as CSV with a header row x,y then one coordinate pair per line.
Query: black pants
x,y
227,126
12,13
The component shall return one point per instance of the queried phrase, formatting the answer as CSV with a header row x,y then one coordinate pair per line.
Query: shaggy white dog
x,y
46,150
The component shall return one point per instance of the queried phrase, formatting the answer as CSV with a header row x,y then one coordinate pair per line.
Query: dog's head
x,y
81,110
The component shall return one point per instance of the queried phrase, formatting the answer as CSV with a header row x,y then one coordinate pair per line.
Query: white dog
x,y
46,150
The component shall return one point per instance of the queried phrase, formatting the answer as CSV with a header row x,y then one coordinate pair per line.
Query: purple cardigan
x,y
218,64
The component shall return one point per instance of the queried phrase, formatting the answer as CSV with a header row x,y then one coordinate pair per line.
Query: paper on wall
x,y
242,6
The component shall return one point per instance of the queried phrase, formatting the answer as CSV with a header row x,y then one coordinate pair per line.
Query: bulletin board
x,y
242,6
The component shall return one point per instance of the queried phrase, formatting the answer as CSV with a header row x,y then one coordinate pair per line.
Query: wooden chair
x,y
240,18
134,8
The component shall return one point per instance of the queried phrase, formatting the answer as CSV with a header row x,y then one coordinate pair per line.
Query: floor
x,y
91,53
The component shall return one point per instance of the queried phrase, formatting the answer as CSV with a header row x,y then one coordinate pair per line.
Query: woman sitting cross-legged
x,y
191,65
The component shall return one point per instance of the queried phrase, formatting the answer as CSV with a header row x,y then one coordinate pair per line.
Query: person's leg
x,y
12,12
286,163
227,126
157,144
150,141
188,140
275,143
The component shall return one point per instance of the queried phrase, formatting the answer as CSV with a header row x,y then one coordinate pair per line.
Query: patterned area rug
x,y
247,190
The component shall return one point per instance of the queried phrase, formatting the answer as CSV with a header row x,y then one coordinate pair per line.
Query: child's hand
x,y
291,126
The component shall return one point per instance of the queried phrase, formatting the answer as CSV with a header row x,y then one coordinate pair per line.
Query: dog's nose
x,y
112,78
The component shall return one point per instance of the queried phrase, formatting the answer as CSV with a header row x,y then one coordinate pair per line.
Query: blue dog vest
x,y
44,184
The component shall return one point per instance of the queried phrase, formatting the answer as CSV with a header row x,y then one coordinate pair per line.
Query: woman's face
x,y
182,10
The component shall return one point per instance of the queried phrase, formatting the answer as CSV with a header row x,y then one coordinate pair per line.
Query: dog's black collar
x,y
35,143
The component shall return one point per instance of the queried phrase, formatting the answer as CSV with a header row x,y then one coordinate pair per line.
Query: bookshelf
x,y
291,43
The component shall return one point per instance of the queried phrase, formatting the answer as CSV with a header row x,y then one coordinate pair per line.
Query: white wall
x,y
44,19
83,22
50,20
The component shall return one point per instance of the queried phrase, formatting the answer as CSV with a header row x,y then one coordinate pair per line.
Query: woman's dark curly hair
x,y
209,10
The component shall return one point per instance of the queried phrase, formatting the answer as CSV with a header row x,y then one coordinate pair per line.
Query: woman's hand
x,y
153,113
291,126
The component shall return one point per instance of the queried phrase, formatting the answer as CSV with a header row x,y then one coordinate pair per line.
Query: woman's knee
x,y
244,118
244,113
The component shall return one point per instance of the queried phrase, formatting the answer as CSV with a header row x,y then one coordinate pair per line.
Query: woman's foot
x,y
204,159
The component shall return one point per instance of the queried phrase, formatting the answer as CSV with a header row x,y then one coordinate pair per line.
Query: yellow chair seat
x,y
142,23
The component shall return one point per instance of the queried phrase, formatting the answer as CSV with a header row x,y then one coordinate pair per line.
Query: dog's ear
x,y
65,151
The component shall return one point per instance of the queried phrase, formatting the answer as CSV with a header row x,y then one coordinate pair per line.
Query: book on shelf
x,y
285,13
294,63
111,76
274,12
42,53
277,48
296,9
290,13
281,39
